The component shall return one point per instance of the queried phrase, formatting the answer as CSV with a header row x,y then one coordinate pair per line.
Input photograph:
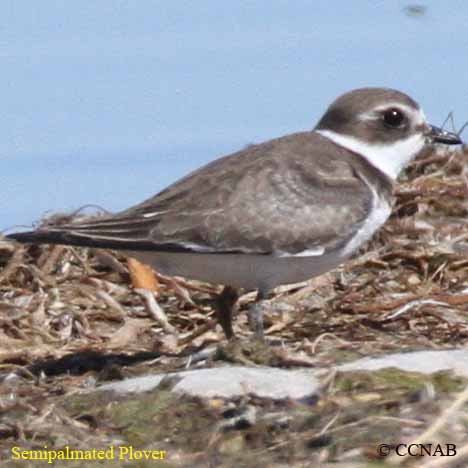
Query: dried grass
x,y
408,289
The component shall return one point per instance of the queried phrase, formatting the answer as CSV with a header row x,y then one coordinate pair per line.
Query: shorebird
x,y
278,212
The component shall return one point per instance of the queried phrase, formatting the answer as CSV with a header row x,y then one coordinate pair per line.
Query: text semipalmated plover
x,y
278,212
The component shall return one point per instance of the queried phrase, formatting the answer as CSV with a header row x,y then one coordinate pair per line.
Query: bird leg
x,y
224,306
256,315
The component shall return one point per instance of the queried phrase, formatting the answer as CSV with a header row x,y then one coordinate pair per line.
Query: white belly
x,y
240,271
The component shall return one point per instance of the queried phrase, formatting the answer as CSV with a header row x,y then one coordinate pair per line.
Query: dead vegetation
x,y
72,317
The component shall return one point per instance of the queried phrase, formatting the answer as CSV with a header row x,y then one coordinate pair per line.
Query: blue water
x,y
108,102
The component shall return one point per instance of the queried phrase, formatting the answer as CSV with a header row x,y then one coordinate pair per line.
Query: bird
x,y
278,212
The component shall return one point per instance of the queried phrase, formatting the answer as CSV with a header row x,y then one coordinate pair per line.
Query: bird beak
x,y
437,135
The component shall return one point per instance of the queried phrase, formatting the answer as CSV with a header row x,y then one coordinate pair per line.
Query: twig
x,y
155,310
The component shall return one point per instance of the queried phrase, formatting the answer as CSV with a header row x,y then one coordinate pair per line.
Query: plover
x,y
278,212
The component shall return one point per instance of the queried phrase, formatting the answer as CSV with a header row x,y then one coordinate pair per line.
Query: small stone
x,y
413,280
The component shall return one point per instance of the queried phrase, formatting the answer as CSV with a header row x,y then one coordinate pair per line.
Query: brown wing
x,y
284,196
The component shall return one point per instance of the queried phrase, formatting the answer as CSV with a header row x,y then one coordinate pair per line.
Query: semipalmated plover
x,y
278,212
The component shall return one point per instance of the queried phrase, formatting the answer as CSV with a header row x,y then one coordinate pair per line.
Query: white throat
x,y
390,158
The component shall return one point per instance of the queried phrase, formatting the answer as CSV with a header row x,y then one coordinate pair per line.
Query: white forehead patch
x,y
389,158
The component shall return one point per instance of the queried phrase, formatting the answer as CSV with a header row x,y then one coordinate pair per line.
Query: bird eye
x,y
393,118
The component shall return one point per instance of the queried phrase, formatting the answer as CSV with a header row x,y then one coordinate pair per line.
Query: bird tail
x,y
63,237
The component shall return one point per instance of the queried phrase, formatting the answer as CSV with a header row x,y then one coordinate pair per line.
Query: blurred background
x,y
108,102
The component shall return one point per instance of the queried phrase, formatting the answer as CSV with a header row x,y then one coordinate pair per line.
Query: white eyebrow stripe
x,y
417,115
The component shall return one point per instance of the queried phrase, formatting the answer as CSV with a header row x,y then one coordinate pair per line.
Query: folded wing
x,y
247,202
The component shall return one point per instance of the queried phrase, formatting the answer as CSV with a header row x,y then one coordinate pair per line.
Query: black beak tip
x,y
438,135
